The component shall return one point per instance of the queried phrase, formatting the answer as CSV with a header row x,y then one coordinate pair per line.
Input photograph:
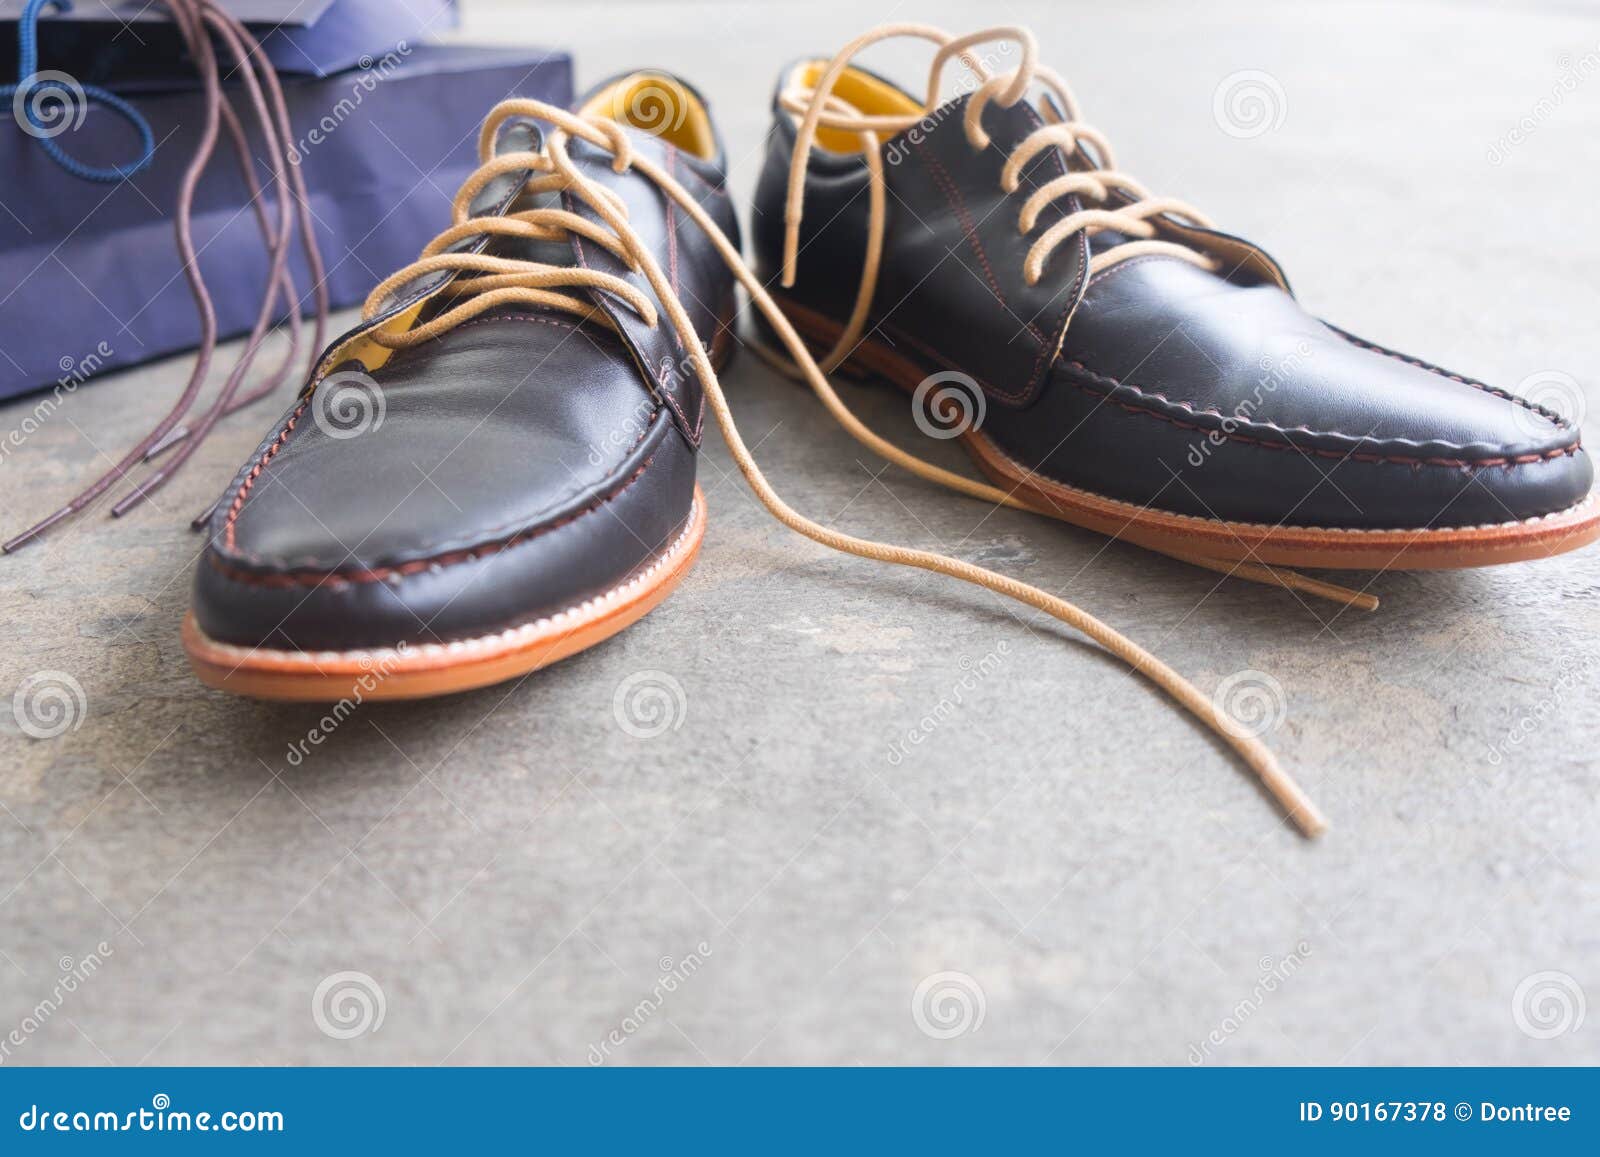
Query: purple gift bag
x,y
89,274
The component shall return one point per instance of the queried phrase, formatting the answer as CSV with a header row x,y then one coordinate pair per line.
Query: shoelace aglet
x,y
1360,600
1333,592
138,494
171,439
37,529
1305,814
1279,577
199,522
1311,822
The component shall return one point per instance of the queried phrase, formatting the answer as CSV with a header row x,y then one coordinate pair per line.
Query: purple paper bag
x,y
89,273
131,44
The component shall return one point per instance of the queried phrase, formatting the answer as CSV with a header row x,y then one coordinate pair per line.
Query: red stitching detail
x,y
539,319
261,464
958,205
1507,395
1047,349
706,183
648,370
1079,288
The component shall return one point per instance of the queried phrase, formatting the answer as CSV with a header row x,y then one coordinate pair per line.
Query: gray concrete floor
x,y
513,871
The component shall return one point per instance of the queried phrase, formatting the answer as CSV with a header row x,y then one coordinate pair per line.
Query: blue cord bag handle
x,y
47,104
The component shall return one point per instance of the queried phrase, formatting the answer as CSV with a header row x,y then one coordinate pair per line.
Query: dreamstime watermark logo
x,y
73,974
948,404
899,148
1569,75
347,1005
675,373
656,108
48,104
649,703
629,432
946,1005
1548,1004
1250,704
672,975
348,403
1573,674
1274,972
1274,372
1554,391
371,75
1248,104
74,372
972,674
374,672
49,703
160,1117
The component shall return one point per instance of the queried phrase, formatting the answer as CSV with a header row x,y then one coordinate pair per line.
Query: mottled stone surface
x,y
514,870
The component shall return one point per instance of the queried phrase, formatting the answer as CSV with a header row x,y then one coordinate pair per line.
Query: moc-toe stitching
x,y
301,577
1356,447
226,549
585,550
1533,407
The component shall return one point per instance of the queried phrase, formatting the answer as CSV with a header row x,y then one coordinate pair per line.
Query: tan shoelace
x,y
487,281
816,106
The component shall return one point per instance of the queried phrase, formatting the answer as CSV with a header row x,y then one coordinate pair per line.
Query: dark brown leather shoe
x,y
497,467
1126,367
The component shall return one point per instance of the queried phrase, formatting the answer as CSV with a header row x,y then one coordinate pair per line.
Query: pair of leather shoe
x,y
496,468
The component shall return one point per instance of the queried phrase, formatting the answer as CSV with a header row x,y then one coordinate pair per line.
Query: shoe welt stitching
x,y
1289,528
507,639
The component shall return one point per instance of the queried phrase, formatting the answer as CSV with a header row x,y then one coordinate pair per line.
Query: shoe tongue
x,y
514,249
528,249
1007,127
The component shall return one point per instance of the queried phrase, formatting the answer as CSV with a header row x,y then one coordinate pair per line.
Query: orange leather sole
x,y
1185,535
417,671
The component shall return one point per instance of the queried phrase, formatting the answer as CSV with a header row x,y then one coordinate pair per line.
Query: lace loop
x,y
1098,185
1009,89
818,106
498,281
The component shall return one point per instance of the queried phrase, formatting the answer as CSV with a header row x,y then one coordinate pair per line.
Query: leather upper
x,y
1155,382
516,465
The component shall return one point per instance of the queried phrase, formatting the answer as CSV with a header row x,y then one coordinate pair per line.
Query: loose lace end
x,y
208,30
37,529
